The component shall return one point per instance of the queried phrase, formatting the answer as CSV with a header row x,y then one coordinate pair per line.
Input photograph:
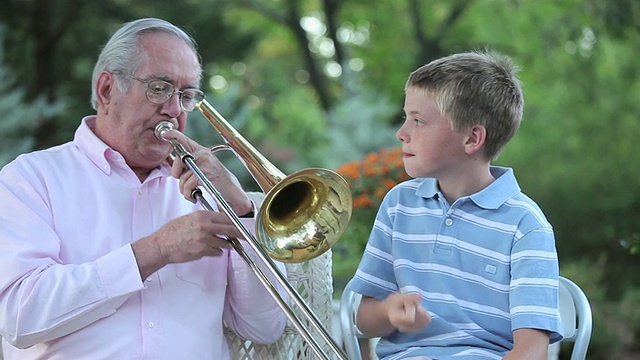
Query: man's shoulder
x,y
42,158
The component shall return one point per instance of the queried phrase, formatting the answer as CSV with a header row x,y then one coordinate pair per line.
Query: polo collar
x,y
493,196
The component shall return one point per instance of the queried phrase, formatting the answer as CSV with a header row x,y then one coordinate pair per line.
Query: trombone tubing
x,y
188,159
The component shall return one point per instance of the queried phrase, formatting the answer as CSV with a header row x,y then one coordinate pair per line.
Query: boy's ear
x,y
476,136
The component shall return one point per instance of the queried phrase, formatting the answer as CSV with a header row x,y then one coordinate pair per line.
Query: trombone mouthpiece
x,y
162,128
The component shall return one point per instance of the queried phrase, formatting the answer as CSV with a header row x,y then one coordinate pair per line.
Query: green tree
x,y
20,116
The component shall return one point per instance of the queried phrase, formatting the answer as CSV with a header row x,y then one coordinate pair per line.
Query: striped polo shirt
x,y
485,266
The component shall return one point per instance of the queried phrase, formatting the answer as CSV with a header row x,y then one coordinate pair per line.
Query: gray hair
x,y
122,54
475,88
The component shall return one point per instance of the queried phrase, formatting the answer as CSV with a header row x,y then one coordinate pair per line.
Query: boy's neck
x,y
466,181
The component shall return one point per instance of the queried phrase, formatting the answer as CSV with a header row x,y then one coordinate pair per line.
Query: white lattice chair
x,y
314,282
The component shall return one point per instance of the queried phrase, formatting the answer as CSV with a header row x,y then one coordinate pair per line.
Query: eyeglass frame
x,y
168,95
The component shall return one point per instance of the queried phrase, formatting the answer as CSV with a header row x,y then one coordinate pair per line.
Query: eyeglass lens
x,y
159,91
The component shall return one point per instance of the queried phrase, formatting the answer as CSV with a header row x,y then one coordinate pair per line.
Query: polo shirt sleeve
x,y
534,296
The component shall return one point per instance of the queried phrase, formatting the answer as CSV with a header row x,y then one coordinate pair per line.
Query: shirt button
x,y
106,167
448,222
151,324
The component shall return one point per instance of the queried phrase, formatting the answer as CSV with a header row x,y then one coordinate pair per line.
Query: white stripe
x,y
487,253
528,309
546,230
414,211
453,272
376,280
448,298
532,210
411,238
457,243
477,351
382,227
379,254
533,254
493,225
527,281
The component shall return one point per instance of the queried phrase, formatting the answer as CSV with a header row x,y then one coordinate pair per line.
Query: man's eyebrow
x,y
159,77
170,80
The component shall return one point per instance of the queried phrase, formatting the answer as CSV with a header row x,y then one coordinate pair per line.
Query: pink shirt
x,y
69,283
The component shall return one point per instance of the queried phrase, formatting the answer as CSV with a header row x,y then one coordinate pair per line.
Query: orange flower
x,y
371,178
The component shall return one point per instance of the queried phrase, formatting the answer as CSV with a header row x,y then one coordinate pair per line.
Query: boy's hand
x,y
406,313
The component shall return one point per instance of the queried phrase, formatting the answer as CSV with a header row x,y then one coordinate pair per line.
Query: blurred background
x,y
319,83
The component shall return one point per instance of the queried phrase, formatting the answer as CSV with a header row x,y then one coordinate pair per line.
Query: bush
x,y
369,180
606,339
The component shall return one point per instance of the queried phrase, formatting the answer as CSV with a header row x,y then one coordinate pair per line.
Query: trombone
x,y
301,217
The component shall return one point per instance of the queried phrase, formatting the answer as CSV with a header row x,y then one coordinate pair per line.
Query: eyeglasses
x,y
159,91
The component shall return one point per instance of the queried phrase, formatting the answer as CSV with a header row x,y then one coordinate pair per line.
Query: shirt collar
x,y
503,188
493,196
99,153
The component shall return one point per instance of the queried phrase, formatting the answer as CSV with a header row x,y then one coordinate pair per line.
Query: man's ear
x,y
104,85
476,137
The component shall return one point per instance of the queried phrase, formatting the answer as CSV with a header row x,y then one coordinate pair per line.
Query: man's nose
x,y
172,106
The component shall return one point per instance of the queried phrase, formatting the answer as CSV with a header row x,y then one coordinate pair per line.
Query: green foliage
x,y
300,128
608,327
629,313
358,125
20,117
346,253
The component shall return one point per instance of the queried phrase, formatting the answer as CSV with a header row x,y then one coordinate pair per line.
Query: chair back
x,y
577,319
313,281
350,334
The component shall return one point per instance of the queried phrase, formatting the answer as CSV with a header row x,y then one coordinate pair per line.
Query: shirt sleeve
x,y
40,297
250,310
534,296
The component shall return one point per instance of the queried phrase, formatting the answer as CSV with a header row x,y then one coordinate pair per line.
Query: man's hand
x,y
214,170
187,238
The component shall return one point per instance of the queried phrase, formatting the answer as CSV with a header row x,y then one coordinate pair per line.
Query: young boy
x,y
460,264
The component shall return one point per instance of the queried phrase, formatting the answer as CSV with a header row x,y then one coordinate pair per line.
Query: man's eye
x,y
188,95
158,88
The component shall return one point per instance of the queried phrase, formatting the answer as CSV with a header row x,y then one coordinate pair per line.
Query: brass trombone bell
x,y
302,215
